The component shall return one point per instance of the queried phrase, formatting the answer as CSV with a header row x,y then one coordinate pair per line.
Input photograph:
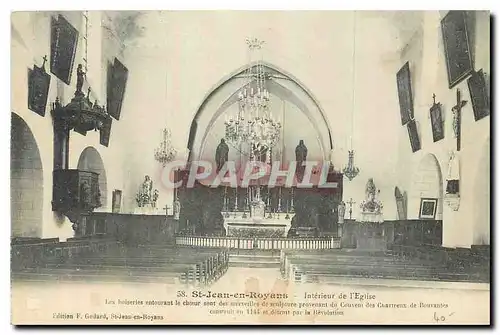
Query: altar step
x,y
254,259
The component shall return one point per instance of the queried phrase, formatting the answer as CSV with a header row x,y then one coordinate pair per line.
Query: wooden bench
x,y
84,259
474,261
325,267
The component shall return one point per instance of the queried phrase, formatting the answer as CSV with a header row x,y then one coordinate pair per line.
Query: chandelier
x,y
351,171
253,128
165,152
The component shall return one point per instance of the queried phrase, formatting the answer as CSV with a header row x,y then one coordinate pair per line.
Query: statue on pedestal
x,y
300,153
371,207
177,209
221,154
155,197
79,79
144,195
341,212
300,158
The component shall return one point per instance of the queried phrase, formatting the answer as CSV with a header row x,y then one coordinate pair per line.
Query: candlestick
x,y
279,199
236,199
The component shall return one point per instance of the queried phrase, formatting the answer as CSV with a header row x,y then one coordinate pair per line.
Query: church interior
x,y
110,109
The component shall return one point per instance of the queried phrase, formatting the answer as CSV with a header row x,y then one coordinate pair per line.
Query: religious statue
x,y
154,199
144,195
300,158
453,178
370,190
300,153
221,154
371,207
177,209
341,212
147,187
79,79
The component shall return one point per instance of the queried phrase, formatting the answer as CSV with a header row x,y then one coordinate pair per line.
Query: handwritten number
x,y
441,318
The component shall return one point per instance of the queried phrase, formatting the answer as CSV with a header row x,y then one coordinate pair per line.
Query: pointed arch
x,y
283,84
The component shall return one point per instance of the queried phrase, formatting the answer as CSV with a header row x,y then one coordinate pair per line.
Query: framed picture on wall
x,y
38,89
105,131
404,93
437,122
456,47
479,95
117,201
63,43
413,134
428,207
117,77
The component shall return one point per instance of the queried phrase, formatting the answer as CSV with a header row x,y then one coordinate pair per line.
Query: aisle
x,y
242,279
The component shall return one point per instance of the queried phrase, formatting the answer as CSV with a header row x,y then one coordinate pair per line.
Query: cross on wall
x,y
457,117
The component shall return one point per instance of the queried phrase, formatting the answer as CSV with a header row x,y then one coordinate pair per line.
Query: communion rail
x,y
260,243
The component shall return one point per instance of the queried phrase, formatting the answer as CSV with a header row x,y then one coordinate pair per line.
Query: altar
x,y
240,224
257,222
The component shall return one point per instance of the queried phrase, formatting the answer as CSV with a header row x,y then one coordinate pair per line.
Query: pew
x,y
324,267
36,252
101,259
474,261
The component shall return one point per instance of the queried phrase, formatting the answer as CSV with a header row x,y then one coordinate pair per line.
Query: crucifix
x,y
350,203
44,61
166,208
457,117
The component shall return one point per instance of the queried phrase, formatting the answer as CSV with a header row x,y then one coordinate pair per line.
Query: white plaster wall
x,y
30,42
182,55
426,56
